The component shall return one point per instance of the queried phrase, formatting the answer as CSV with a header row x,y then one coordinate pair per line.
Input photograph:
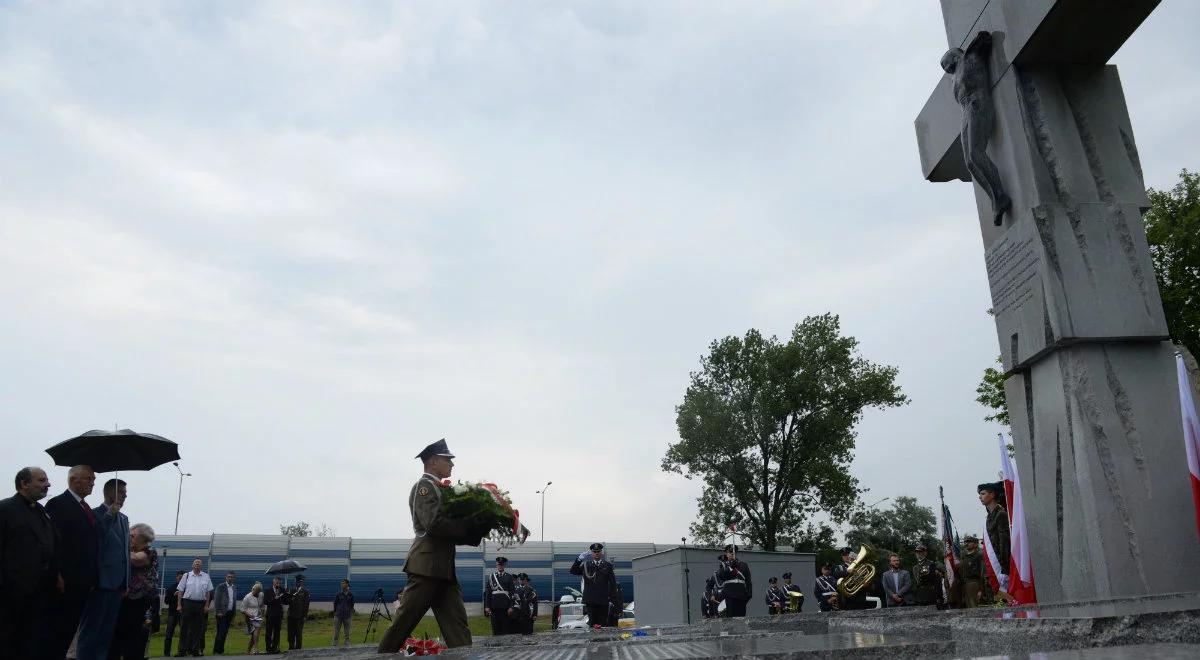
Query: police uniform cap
x,y
523,576
773,579
731,548
787,576
438,448
299,578
846,551
596,547
501,560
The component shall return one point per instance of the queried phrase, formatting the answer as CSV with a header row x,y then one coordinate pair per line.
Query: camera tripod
x,y
379,610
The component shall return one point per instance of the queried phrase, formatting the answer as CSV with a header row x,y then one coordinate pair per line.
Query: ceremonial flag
x,y
950,547
1191,432
1020,569
992,566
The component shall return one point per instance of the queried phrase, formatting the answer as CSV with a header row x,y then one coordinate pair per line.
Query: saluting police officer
x,y
498,598
599,583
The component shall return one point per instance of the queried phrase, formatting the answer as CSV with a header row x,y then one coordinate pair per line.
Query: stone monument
x,y
1091,391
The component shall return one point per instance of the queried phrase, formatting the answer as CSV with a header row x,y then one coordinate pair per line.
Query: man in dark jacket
x,y
274,599
171,601
733,579
857,601
429,566
27,571
708,606
76,555
498,597
825,588
599,583
991,496
927,578
297,613
526,601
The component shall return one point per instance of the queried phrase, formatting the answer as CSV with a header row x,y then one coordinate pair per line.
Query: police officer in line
x,y
498,598
525,605
708,606
733,580
788,587
776,597
825,588
927,579
599,583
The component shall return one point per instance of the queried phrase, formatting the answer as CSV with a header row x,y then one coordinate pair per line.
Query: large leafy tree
x,y
768,426
899,530
1173,232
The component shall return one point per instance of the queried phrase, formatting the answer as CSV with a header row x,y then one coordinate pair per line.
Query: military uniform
x,y
997,531
733,580
430,565
974,580
525,605
599,585
498,597
789,587
927,582
776,598
825,587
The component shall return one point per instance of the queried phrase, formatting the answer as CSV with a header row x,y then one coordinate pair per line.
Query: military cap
x,y
523,576
787,576
299,578
921,547
596,547
501,560
438,448
970,537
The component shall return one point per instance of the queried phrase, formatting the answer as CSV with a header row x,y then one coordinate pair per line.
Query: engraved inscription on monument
x,y
1013,265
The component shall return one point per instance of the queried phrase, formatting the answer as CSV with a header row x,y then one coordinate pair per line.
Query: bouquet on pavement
x,y
413,647
488,509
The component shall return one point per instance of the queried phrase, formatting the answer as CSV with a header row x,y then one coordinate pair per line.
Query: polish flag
x,y
1020,571
1191,432
992,566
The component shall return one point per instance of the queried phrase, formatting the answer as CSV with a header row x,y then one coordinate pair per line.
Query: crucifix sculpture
x,y
1091,391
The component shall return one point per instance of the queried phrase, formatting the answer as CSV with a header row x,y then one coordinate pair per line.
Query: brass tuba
x,y
861,572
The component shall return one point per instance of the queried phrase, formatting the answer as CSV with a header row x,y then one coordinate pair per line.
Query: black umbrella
x,y
286,567
112,451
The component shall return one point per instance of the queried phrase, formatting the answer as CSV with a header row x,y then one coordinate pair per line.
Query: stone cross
x,y
1091,389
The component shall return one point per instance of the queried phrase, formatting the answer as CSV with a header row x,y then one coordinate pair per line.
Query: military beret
x,y
501,560
596,547
993,487
438,448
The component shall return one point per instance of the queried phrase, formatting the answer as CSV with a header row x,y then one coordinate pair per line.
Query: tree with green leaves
x,y
900,530
303,529
1173,232
768,426
991,395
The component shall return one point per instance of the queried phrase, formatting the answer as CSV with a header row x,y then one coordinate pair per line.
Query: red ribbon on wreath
x,y
495,491
413,646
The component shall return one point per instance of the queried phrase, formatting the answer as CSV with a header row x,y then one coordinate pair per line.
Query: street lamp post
x,y
179,497
543,493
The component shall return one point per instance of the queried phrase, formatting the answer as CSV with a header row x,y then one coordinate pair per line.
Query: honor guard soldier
x,y
927,576
708,606
974,582
599,583
776,597
498,599
430,563
526,604
790,588
824,588
991,496
733,579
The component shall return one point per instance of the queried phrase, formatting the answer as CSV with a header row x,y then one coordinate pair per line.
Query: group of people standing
x,y
509,601
192,596
73,575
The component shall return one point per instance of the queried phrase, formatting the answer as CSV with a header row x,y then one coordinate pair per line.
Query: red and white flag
x,y
992,566
1020,570
1191,432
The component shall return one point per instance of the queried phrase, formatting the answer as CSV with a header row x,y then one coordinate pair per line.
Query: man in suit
x,y
897,584
297,613
171,602
430,563
76,555
27,571
225,602
275,598
99,619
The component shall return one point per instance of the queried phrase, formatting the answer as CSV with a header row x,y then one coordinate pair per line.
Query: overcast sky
x,y
305,240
